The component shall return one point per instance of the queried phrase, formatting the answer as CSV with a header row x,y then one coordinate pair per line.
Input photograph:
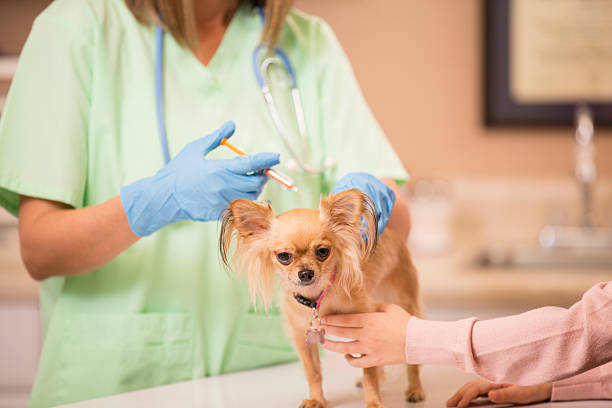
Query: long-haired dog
x,y
312,251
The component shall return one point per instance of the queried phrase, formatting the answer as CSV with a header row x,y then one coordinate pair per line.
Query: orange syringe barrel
x,y
277,176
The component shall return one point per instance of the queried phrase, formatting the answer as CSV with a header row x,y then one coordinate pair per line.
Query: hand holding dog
x,y
380,337
382,196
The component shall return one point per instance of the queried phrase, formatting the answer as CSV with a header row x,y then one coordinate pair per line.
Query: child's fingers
x,y
351,347
347,332
470,391
452,401
346,320
510,394
360,362
470,394
520,394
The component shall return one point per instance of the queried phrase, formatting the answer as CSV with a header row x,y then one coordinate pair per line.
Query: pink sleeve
x,y
593,384
535,347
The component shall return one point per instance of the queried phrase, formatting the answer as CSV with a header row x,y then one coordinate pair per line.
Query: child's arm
x,y
539,346
593,384
536,347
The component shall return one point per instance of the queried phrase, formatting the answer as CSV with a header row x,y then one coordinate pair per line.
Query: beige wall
x,y
419,65
16,18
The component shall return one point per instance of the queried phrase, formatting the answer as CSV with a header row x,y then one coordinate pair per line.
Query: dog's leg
x,y
370,387
415,392
312,367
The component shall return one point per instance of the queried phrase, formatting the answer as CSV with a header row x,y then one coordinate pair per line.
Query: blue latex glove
x,y
383,196
191,187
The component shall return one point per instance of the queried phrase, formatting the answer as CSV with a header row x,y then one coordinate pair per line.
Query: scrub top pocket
x,y
103,354
260,341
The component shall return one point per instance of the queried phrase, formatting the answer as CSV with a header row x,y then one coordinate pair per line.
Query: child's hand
x,y
500,393
380,337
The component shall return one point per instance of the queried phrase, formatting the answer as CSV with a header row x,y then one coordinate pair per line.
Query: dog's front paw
x,y
312,403
415,394
375,405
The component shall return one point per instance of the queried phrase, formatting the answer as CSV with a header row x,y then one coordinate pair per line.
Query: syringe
x,y
275,175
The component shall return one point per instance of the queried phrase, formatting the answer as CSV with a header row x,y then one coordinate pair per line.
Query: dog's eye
x,y
322,253
284,258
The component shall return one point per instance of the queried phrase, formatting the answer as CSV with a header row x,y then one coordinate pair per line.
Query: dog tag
x,y
315,336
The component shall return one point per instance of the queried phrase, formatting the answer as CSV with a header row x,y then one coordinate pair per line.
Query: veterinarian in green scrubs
x,y
121,313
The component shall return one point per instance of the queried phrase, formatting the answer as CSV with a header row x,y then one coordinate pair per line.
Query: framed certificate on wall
x,y
545,57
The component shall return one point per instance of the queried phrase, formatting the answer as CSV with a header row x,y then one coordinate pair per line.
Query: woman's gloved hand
x,y
383,196
192,187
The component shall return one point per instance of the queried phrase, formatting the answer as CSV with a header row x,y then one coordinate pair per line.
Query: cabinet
x,y
20,337
20,343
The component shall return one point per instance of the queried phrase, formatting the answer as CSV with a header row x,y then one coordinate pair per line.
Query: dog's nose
x,y
306,275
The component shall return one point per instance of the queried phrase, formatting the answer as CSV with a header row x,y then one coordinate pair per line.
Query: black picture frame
x,y
500,110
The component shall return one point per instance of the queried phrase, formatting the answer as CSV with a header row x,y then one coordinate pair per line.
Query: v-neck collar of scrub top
x,y
234,43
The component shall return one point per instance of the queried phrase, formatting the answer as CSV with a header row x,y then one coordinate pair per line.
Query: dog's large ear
x,y
247,223
352,212
351,216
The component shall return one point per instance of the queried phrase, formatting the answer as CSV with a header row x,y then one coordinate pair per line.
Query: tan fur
x,y
380,271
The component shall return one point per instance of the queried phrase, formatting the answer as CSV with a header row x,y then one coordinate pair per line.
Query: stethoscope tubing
x,y
159,92
261,81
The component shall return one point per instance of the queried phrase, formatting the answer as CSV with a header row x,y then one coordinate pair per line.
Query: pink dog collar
x,y
322,295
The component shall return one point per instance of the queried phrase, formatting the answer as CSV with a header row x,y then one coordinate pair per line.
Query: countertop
x,y
285,386
455,280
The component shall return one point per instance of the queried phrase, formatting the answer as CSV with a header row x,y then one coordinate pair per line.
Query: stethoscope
x,y
278,57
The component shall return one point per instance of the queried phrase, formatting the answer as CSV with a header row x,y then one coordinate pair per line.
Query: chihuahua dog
x,y
330,260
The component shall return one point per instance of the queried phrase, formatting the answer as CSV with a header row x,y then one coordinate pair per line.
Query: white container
x,y
432,214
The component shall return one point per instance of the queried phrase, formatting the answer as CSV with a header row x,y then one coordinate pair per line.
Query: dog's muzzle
x,y
306,276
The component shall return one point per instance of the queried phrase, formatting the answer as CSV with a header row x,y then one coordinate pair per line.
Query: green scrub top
x,y
80,122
